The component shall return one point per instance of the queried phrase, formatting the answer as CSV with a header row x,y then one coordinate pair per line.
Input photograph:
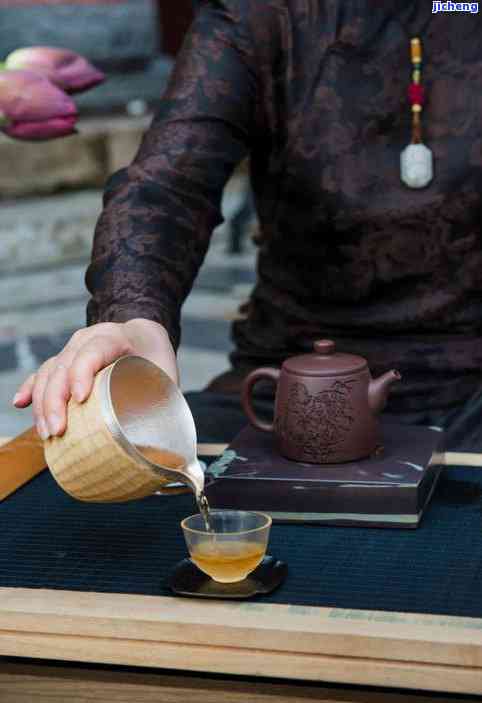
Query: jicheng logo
x,y
472,7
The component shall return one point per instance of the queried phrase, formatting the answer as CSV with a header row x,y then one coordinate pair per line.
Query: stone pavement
x,y
44,250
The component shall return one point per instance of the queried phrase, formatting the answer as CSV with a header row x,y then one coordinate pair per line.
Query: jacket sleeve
x,y
159,213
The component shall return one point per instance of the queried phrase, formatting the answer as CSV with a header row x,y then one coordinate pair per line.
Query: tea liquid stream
x,y
175,462
226,562
203,505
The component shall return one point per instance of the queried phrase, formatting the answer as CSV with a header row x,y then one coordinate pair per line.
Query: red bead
x,y
416,94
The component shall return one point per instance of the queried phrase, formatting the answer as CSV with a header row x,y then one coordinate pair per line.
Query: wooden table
x,y
317,646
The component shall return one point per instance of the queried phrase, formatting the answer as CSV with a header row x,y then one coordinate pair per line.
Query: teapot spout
x,y
379,388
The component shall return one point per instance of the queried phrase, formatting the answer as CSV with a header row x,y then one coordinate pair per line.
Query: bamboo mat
x,y
49,540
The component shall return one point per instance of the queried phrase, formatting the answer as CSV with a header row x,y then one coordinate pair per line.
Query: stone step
x,y
57,230
42,319
84,160
55,315
32,290
47,232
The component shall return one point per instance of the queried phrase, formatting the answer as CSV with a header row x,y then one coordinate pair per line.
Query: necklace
x,y
416,160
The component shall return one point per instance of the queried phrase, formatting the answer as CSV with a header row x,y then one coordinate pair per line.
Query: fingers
x,y
71,373
41,380
35,384
98,352
51,392
23,397
56,395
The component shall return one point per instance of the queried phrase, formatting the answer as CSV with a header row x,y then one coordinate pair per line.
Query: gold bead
x,y
416,108
416,76
416,48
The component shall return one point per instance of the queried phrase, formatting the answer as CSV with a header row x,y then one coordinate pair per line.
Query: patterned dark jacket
x,y
316,92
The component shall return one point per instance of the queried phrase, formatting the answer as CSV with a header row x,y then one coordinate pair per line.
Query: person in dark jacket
x,y
316,93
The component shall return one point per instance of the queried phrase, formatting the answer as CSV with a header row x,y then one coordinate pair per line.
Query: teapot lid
x,y
324,362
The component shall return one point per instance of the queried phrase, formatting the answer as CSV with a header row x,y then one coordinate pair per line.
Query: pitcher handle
x,y
246,396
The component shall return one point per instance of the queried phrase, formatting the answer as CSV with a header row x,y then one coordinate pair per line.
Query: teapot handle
x,y
246,396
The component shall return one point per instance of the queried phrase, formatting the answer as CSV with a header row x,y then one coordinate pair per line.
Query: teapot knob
x,y
324,346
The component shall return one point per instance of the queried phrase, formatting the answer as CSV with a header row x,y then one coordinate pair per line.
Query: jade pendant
x,y
416,166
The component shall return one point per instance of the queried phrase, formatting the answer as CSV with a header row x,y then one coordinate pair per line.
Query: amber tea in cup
x,y
233,547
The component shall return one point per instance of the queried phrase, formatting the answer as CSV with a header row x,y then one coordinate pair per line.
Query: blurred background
x,y
51,192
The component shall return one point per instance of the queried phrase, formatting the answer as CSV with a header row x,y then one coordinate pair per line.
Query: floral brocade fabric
x,y
315,92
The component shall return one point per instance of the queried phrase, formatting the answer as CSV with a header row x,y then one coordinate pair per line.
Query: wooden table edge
x,y
401,650
54,682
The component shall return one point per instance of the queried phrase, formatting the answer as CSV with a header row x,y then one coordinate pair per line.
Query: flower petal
x,y
66,69
40,131
26,96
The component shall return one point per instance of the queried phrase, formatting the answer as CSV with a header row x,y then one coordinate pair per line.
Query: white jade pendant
x,y
416,166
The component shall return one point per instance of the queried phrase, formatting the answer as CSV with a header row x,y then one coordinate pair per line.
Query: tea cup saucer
x,y
187,580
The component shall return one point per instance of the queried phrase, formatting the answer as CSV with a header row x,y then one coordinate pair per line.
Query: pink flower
x,y
31,107
64,68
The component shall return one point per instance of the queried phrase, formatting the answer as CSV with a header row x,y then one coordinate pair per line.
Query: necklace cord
x,y
416,91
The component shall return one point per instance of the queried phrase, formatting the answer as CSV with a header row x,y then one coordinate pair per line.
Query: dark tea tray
x,y
391,489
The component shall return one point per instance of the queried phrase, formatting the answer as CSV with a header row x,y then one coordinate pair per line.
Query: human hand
x,y
72,371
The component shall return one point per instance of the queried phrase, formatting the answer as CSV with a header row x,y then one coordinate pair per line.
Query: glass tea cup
x,y
233,547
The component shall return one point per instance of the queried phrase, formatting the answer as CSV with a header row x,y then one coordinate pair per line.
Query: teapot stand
x,y
390,489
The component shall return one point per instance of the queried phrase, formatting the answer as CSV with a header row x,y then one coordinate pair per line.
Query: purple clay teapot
x,y
326,405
